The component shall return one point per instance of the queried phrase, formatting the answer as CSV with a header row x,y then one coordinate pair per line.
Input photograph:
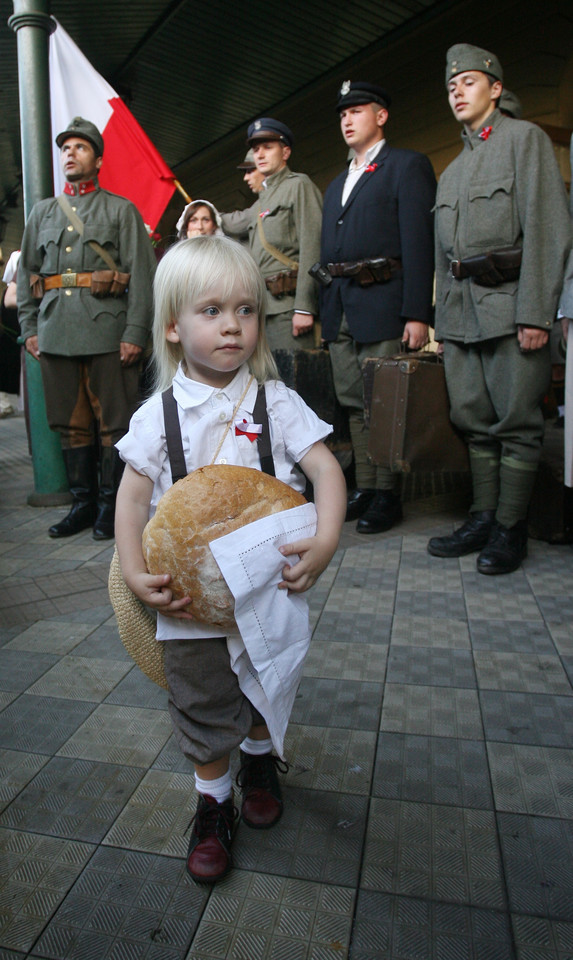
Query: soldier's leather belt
x,y
489,269
373,270
63,280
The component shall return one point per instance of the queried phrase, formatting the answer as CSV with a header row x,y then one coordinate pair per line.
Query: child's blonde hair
x,y
185,273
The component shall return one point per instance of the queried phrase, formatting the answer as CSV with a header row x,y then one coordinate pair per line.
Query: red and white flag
x,y
132,166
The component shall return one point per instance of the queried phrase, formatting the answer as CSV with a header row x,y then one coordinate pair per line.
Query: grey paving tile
x,y
502,606
530,779
338,703
41,724
346,661
556,609
6,698
550,582
431,666
540,939
102,643
528,673
157,816
77,799
422,603
568,667
537,854
353,599
18,673
137,690
511,636
435,577
268,918
423,631
492,587
403,928
126,905
171,759
445,854
330,758
527,718
81,678
35,875
50,636
7,634
117,734
355,628
436,711
16,770
562,634
319,837
432,770
96,613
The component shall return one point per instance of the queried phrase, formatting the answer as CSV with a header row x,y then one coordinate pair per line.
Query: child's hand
x,y
315,555
154,592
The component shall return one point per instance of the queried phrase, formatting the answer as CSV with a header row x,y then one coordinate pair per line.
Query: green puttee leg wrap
x,y
517,479
485,470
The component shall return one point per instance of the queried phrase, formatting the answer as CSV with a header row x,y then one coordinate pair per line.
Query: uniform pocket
x,y
107,236
491,213
446,212
49,245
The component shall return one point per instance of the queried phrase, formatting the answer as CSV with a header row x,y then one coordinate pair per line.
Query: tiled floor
x,y
429,801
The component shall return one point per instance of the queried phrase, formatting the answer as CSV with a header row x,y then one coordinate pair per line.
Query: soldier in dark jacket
x,y
379,210
84,305
502,196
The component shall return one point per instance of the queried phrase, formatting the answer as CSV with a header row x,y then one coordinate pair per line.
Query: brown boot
x,y
209,854
262,798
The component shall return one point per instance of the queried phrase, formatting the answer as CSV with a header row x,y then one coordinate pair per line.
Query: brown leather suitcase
x,y
409,414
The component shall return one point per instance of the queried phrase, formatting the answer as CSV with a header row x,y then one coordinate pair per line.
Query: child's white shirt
x,y
205,415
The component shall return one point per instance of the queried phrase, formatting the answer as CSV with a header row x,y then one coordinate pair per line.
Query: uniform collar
x,y
484,131
372,152
190,393
277,177
81,188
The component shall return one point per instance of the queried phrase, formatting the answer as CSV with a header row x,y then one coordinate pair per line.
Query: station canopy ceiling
x,y
195,72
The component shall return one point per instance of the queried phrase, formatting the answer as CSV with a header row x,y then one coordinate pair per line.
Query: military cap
x,y
464,56
248,163
266,128
510,104
355,92
78,127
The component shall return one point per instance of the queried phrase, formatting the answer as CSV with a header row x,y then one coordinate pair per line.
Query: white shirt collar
x,y
191,393
370,154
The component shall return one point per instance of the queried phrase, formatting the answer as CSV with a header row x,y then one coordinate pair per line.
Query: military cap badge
x,y
345,88
257,124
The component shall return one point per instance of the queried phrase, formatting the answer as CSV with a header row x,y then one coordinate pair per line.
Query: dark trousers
x,y
89,397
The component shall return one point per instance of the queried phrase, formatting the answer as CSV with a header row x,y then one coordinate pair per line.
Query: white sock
x,y
257,748
219,789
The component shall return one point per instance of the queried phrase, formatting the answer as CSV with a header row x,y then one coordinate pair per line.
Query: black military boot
x,y
469,538
111,470
505,549
80,464
384,511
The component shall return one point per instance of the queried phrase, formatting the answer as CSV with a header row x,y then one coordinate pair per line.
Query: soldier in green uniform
x,y
84,303
284,237
502,241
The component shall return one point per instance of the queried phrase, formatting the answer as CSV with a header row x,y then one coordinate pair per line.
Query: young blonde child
x,y
210,344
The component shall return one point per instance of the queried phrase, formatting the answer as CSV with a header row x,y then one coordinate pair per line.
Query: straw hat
x,y
136,626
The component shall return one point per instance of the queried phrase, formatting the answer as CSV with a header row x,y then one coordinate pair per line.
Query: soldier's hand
x,y
32,347
129,353
301,323
415,334
531,338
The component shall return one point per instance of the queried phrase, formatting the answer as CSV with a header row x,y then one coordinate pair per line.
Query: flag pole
x,y
182,190
32,24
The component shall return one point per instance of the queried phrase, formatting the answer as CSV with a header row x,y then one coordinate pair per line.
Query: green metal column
x,y
32,24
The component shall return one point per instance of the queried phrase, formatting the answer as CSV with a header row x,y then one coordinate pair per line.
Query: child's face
x,y
216,335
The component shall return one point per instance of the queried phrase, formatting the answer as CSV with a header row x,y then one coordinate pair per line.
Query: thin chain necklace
x,y
232,420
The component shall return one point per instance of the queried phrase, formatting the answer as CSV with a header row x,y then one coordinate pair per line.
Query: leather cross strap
x,y
79,226
175,441
270,248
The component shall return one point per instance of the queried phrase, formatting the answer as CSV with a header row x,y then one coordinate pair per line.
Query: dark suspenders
x,y
175,442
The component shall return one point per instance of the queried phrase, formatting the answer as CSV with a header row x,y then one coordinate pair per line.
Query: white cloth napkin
x,y
274,631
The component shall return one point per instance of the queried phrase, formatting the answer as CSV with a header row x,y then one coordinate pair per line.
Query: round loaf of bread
x,y
203,506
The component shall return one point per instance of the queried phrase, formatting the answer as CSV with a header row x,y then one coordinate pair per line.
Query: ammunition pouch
x,y
109,283
366,272
37,286
489,269
281,284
